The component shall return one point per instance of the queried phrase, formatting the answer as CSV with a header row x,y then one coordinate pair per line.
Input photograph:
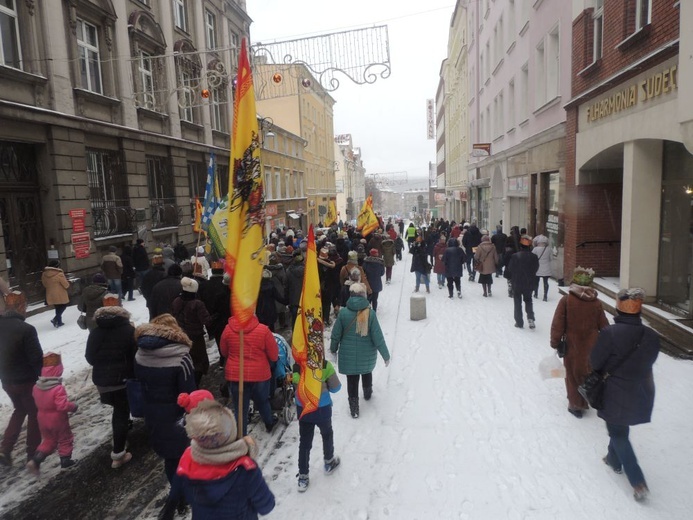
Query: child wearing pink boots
x,y
53,406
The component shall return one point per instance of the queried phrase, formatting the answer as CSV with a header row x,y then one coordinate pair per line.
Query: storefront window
x,y
484,203
676,237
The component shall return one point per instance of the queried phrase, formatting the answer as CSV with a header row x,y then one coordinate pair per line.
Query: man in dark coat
x,y
152,277
419,264
499,239
470,241
165,292
523,270
294,284
140,259
629,392
453,260
21,360
92,298
217,299
374,267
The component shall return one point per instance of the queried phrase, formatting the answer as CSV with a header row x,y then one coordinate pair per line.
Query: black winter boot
x,y
354,407
168,512
67,462
367,392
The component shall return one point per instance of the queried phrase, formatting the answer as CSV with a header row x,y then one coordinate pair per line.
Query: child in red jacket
x,y
53,406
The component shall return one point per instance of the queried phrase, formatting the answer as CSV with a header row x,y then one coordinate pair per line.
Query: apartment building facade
x,y
630,167
519,66
351,178
105,133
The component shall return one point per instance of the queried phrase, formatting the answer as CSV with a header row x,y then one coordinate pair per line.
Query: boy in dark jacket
x,y
322,418
523,270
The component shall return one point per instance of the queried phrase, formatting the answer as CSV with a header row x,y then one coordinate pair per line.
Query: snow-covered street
x,y
460,426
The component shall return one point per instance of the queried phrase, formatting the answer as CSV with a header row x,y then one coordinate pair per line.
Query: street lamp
x,y
266,125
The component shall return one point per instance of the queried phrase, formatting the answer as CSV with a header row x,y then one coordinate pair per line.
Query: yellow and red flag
x,y
198,216
246,200
331,217
367,221
307,346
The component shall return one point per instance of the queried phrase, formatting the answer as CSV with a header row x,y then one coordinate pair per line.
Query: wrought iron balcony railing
x,y
112,217
165,213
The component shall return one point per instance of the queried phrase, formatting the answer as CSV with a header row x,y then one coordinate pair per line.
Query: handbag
x,y
562,347
593,387
82,321
135,391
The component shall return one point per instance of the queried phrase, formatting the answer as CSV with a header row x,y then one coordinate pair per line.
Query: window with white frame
x,y
211,29
287,185
643,13
295,176
89,60
217,100
598,23
144,67
186,110
553,64
268,184
278,184
235,46
523,98
526,7
511,21
498,40
495,129
540,74
482,68
300,184
180,17
10,50
511,104
489,122
482,129
487,71
501,114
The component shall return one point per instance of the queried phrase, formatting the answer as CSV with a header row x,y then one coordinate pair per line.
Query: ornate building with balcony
x,y
109,110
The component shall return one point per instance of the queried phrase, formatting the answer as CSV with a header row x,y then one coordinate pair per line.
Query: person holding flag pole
x,y
314,376
367,221
245,252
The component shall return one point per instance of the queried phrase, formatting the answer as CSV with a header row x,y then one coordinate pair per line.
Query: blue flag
x,y
211,195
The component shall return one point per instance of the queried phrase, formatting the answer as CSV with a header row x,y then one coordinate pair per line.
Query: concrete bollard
x,y
417,307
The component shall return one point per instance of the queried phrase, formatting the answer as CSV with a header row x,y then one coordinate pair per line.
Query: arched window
x,y
147,48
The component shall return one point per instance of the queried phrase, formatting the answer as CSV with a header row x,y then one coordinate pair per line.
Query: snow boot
x,y
331,465
489,291
33,466
67,462
168,512
303,482
641,492
616,470
367,392
120,459
531,324
576,412
354,407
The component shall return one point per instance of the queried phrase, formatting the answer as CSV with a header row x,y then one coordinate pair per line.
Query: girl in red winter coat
x,y
53,406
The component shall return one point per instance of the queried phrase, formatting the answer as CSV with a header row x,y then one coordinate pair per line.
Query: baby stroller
x,y
282,391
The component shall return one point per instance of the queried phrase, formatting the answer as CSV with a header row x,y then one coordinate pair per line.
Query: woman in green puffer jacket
x,y
357,337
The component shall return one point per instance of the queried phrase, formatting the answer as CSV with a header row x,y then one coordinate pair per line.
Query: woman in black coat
x,y
419,264
453,259
128,276
111,349
629,391
164,366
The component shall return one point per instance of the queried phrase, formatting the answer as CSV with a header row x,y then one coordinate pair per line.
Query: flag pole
x,y
240,386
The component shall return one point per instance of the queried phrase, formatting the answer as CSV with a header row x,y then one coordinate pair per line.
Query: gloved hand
x,y
387,362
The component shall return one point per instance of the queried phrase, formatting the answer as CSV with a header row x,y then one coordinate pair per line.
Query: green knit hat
x,y
583,276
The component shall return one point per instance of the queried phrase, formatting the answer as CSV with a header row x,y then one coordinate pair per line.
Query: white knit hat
x,y
189,285
358,288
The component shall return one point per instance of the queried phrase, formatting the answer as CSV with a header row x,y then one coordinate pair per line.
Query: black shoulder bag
x,y
562,347
593,387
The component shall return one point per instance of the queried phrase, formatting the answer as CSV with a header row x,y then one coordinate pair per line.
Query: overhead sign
x,y
343,139
481,149
430,119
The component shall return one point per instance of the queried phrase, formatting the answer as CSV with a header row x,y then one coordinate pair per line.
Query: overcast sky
x,y
387,119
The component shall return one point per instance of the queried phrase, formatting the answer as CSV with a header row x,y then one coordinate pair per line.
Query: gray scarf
x,y
46,383
222,454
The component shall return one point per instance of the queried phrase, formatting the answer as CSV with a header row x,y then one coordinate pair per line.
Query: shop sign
x,y
440,197
644,90
552,224
81,244
430,120
518,184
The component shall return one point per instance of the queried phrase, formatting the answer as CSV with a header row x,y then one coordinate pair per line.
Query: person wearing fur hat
x,y
164,292
200,259
322,418
91,298
357,338
111,349
374,268
164,366
579,316
259,350
53,406
192,316
21,359
217,475
56,285
523,267
630,390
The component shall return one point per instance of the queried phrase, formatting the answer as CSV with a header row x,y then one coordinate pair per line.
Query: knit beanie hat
x,y
210,424
358,289
526,240
352,257
355,275
191,400
110,300
583,276
99,278
200,250
374,252
186,267
189,285
157,260
629,301
266,273
16,301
